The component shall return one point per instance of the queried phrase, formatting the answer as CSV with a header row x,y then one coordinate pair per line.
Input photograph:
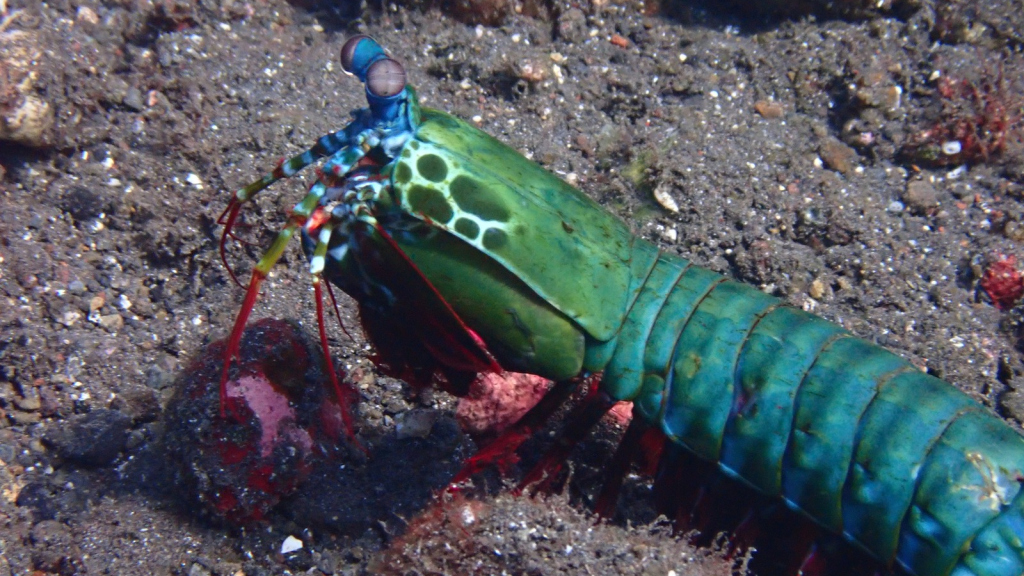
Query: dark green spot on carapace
x,y
467,228
432,167
477,200
495,238
431,203
403,173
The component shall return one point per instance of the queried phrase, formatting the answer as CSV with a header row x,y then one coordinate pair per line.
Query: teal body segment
x,y
701,388
624,372
694,284
833,397
972,472
916,409
777,354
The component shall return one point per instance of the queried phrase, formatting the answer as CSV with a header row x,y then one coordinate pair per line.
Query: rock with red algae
x,y
1003,283
280,419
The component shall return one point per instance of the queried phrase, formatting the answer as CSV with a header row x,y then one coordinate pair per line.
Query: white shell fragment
x,y
951,148
662,196
291,544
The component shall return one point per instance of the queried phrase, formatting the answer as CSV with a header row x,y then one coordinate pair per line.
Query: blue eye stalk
x,y
385,78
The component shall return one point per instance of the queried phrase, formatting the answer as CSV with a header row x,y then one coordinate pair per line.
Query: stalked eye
x,y
348,51
385,78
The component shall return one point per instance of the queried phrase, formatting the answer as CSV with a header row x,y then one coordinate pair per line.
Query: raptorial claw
x,y
501,452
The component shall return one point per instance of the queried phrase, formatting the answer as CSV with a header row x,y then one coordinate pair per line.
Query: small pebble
x,y
133,99
112,322
366,381
415,424
69,318
138,402
769,110
158,378
20,418
1014,231
86,14
29,400
817,289
892,97
838,156
921,196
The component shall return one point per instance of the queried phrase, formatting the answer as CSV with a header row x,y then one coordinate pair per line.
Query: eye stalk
x,y
385,78
359,53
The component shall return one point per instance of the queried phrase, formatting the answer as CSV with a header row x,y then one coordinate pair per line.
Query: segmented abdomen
x,y
852,435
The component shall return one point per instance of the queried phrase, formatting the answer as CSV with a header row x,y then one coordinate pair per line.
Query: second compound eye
x,y
348,51
385,78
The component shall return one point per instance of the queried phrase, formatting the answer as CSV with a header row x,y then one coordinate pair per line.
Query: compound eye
x,y
385,78
348,51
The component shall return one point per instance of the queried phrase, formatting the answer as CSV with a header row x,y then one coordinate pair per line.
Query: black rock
x,y
93,439
39,497
83,203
